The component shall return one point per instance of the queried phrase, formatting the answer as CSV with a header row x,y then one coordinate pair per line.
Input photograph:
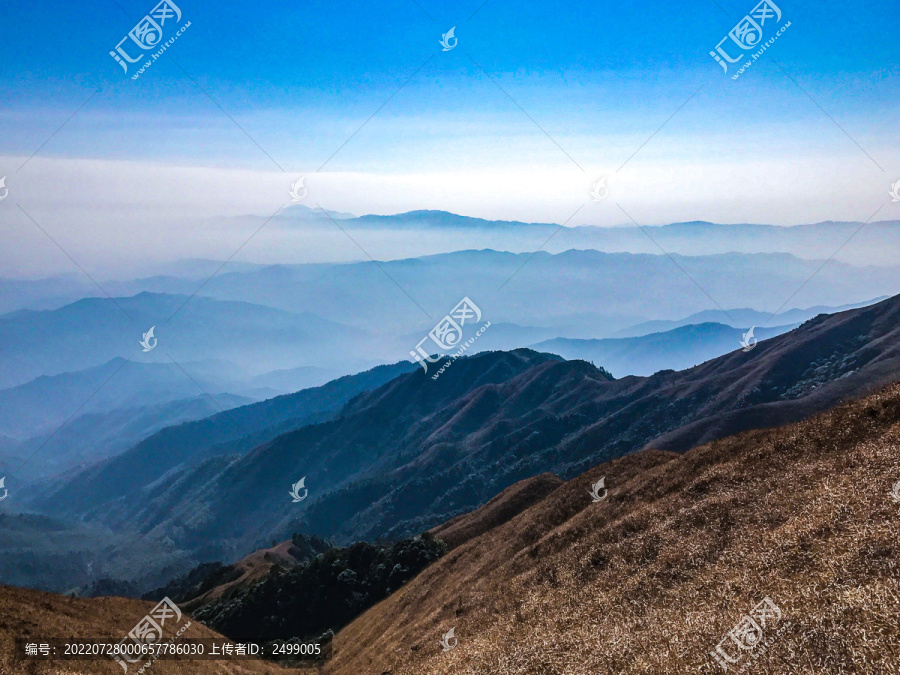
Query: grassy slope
x,y
650,579
37,615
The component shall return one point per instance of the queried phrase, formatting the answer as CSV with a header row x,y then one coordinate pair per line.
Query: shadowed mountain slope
x,y
39,551
416,452
233,431
652,578
246,503
319,595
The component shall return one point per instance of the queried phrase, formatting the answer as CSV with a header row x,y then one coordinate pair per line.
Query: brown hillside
x,y
25,613
509,503
650,579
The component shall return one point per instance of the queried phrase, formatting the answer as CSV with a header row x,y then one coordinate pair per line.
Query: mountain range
x,y
740,318
794,527
85,358
45,402
676,349
94,436
426,233
430,232
93,331
413,452
175,450
576,293
798,521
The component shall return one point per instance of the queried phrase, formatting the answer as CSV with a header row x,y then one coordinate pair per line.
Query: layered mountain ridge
x,y
415,452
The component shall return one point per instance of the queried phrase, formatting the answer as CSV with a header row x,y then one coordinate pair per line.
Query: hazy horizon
x,y
517,121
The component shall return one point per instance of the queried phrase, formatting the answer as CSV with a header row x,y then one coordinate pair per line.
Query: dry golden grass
x,y
36,615
509,503
650,579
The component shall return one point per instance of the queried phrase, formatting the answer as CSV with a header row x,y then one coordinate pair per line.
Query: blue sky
x,y
598,77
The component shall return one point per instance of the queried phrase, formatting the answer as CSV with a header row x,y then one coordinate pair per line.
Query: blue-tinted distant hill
x,y
676,349
92,331
53,554
423,233
47,401
430,232
580,293
737,318
94,436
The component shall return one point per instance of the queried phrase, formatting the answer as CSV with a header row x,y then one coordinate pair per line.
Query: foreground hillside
x,y
651,578
39,616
